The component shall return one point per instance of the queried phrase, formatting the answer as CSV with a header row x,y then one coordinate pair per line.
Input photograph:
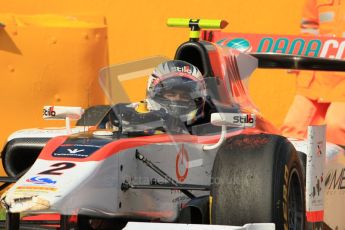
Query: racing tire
x,y
258,179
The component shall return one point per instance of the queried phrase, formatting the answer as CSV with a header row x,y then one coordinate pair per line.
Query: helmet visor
x,y
179,95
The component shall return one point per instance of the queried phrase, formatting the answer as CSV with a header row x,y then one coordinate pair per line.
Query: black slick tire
x,y
258,179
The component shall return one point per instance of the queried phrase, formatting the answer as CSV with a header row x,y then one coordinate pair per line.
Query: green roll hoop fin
x,y
196,25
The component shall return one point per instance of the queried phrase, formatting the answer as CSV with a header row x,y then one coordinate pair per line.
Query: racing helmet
x,y
179,88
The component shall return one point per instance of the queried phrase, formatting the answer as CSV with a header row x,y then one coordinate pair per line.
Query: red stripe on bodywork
x,y
51,216
128,143
44,217
52,145
315,216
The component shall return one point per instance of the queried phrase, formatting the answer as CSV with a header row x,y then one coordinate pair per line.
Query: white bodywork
x,y
333,185
50,112
46,191
45,132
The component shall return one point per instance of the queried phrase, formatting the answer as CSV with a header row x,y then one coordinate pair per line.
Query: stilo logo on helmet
x,y
179,88
185,69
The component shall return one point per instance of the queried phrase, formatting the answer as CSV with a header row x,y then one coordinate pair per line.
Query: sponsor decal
x,y
58,168
40,180
335,181
240,44
328,177
182,164
180,199
75,151
61,112
49,111
326,47
234,119
318,179
36,188
316,148
317,187
184,69
246,119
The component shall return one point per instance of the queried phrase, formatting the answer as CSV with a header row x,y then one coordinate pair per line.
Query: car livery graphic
x,y
40,180
324,47
240,44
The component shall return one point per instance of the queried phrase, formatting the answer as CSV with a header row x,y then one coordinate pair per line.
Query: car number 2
x,y
58,168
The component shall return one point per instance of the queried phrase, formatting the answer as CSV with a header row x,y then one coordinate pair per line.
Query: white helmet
x,y
177,76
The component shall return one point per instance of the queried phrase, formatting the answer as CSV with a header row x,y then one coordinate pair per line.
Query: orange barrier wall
x,y
47,60
52,64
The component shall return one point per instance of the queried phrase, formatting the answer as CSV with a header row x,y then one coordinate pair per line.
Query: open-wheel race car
x,y
210,159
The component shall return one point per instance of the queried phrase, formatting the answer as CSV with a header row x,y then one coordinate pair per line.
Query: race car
x,y
143,164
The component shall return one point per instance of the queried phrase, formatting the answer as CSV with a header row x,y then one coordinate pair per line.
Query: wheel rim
x,y
295,202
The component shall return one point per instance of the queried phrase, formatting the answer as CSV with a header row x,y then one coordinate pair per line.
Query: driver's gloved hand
x,y
132,121
129,115
135,123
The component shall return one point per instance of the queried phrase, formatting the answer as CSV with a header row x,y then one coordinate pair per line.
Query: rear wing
x,y
285,51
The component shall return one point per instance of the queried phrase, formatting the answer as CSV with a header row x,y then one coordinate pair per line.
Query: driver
x,y
179,89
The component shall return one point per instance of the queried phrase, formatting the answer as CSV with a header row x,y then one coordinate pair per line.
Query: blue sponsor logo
x,y
40,180
75,151
240,44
